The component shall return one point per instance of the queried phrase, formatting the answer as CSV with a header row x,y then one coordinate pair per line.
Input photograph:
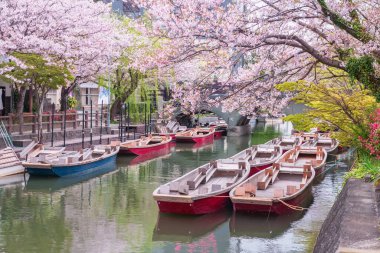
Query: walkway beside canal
x,y
353,222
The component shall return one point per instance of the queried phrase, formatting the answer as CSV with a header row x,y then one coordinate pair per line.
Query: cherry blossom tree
x,y
79,34
252,45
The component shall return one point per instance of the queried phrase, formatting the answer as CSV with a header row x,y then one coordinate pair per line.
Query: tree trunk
x,y
40,113
63,99
116,105
20,108
65,93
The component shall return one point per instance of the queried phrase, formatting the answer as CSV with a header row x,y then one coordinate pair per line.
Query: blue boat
x,y
72,163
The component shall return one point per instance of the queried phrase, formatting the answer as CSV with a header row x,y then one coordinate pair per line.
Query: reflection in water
x,y
262,225
51,184
115,212
183,228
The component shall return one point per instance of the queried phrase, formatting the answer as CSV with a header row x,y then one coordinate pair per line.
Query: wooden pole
x,y
82,127
91,122
64,121
52,124
101,122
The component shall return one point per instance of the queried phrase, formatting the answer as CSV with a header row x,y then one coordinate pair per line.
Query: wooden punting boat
x,y
196,135
203,190
286,142
145,145
295,159
67,163
306,137
171,129
329,144
220,128
273,190
259,156
10,164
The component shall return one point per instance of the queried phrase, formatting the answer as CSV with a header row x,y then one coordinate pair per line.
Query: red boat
x,y
286,142
295,159
259,156
218,134
145,145
273,190
196,135
203,190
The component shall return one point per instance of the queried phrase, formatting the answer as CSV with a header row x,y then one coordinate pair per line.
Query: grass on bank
x,y
365,165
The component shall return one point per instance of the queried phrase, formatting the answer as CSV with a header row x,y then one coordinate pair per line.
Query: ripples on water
x,y
113,210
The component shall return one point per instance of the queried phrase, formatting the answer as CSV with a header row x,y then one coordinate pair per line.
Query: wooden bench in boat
x,y
8,158
270,176
246,190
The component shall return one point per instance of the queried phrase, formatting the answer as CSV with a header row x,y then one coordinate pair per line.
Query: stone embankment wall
x,y
352,224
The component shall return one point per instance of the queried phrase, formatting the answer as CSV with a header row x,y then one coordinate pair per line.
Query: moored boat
x,y
69,163
171,129
329,144
10,164
273,190
259,156
203,190
145,145
196,135
286,142
220,127
295,159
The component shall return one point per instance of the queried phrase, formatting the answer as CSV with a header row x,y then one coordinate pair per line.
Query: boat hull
x,y
277,208
145,150
197,207
255,169
63,171
200,139
218,134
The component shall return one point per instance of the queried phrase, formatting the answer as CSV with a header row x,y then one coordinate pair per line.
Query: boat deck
x,y
282,182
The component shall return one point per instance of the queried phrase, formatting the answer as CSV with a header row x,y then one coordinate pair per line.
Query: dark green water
x,y
115,212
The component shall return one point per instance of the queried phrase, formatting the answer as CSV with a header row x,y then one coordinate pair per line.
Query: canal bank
x,y
352,224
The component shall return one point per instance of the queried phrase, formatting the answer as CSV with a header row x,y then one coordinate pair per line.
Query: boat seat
x,y
278,193
263,184
203,190
216,187
62,160
240,191
193,184
183,189
174,186
250,188
234,179
291,189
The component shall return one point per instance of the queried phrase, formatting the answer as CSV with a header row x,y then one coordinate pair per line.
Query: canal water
x,y
114,211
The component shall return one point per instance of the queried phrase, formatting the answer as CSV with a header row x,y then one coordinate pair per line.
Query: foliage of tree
x,y
334,104
38,74
251,46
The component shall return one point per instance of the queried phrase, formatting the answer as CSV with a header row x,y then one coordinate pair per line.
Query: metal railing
x,y
5,136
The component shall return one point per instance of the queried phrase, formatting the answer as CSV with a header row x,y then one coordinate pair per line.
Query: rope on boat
x,y
296,208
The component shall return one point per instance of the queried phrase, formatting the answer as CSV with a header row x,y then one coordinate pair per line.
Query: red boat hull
x,y
144,151
255,169
202,206
201,139
277,207
218,134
